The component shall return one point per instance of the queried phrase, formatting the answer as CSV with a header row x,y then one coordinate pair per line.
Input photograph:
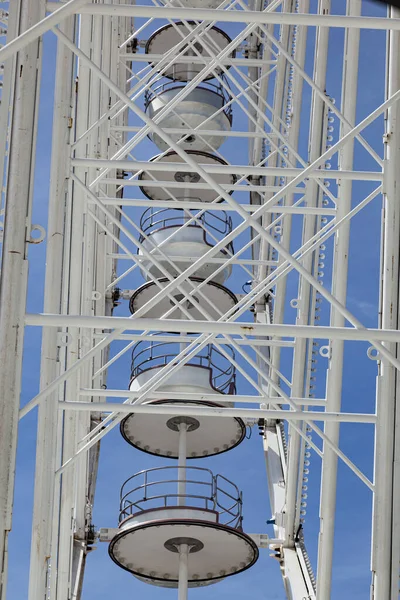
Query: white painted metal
x,y
223,412
183,572
48,415
178,244
305,289
200,107
166,513
144,547
165,38
167,162
182,453
14,263
292,216
385,547
340,268
306,331
263,17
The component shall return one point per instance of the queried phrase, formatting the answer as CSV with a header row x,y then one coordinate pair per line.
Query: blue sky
x,y
245,464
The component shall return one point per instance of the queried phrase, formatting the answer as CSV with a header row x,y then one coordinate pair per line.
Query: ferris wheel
x,y
199,299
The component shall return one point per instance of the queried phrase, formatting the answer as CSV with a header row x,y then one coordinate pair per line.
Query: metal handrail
x,y
211,224
147,355
139,497
220,223
153,92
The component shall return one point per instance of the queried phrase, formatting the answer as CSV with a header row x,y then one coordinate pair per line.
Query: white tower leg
x,y
340,264
48,411
14,266
385,539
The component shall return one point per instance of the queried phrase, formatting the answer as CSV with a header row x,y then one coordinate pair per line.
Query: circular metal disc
x,y
183,193
151,434
141,550
216,300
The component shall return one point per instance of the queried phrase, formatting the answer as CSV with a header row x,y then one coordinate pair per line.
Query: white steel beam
x,y
217,327
339,288
385,532
164,167
14,265
284,210
232,16
225,398
305,289
35,30
155,58
47,432
255,413
77,273
165,338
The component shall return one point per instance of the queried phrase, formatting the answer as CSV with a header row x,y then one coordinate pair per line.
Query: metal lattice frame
x,y
99,131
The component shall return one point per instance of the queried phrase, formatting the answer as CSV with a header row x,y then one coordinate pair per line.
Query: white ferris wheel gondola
x,y
206,107
156,521
173,235
208,372
214,301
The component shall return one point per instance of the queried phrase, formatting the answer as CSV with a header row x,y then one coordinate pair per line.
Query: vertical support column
x,y
182,464
304,292
339,290
70,536
14,267
385,538
183,572
46,448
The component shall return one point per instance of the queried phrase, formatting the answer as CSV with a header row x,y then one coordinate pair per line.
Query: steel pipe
x,y
172,167
233,16
340,275
60,12
197,410
218,398
232,328
14,260
47,432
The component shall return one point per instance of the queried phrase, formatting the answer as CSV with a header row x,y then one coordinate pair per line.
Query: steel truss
x,y
292,216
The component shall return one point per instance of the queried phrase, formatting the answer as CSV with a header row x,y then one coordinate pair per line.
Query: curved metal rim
x,y
206,242
193,152
161,522
149,510
189,365
165,27
199,402
200,152
182,84
194,279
